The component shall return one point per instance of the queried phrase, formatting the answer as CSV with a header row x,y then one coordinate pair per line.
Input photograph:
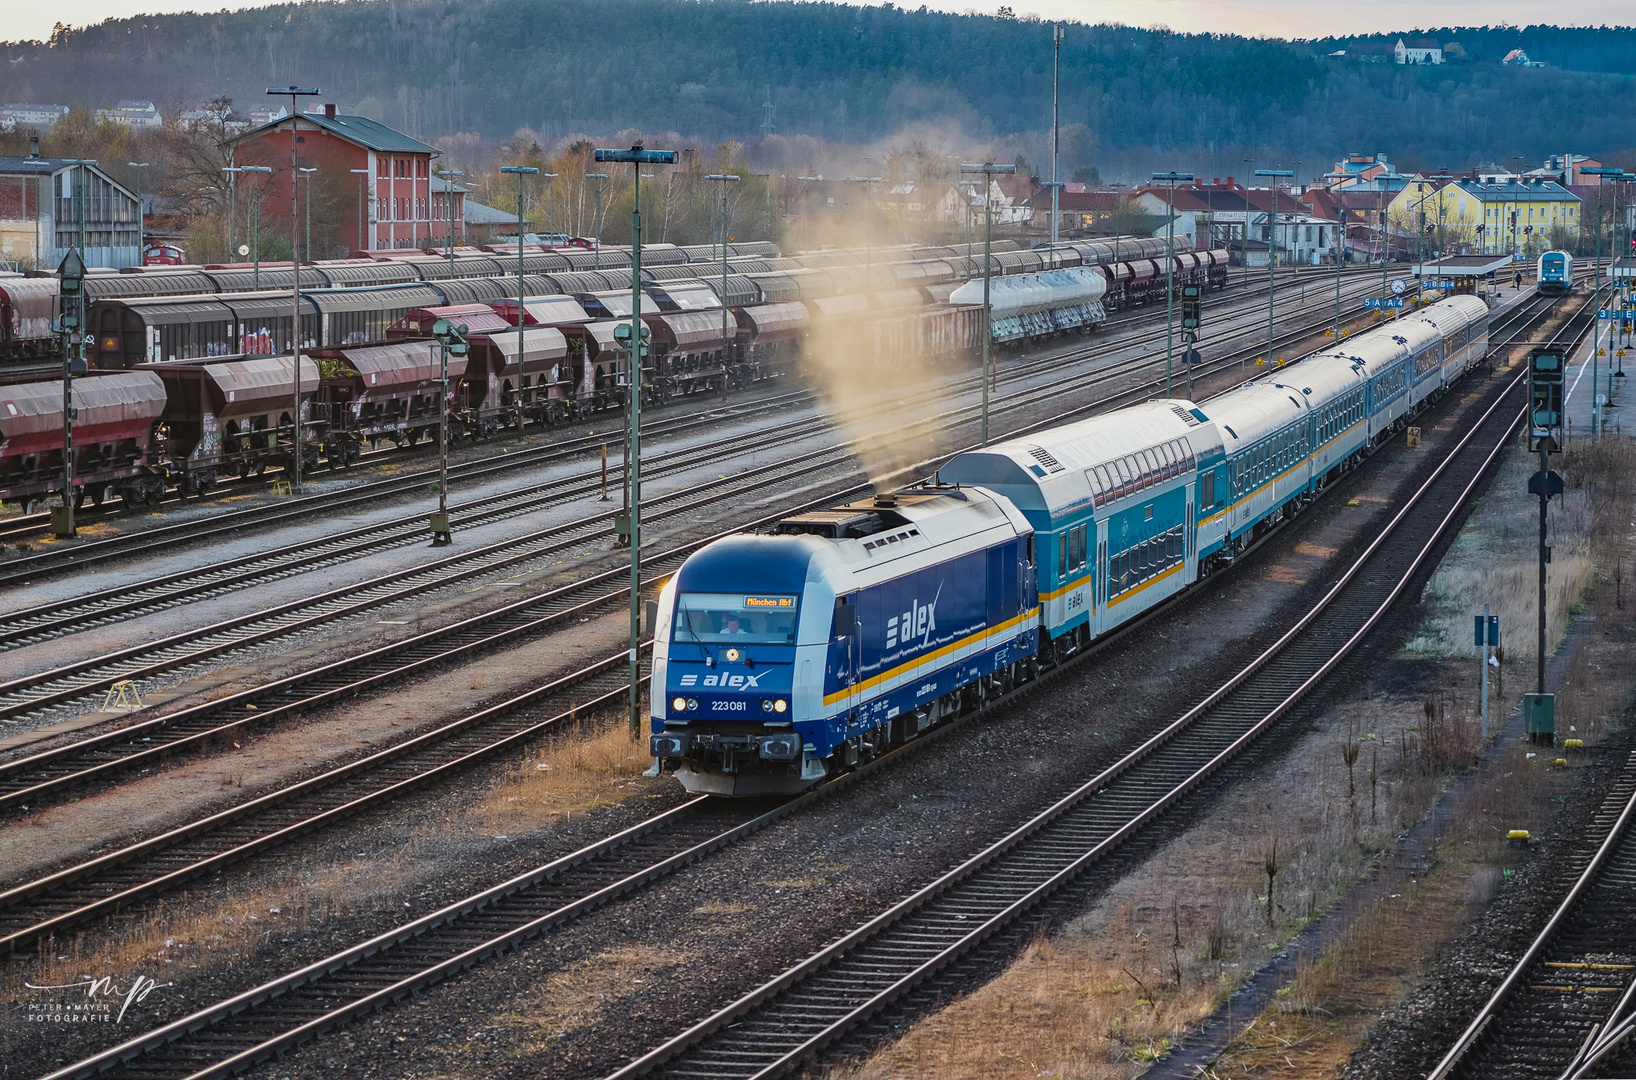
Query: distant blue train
x,y
785,657
1555,273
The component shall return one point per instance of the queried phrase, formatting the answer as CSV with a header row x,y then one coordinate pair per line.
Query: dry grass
x,y
595,764
581,994
1105,994
1495,560
1169,941
173,937
1066,1012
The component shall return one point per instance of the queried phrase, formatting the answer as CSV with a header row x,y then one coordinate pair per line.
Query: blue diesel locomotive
x,y
786,657
1555,273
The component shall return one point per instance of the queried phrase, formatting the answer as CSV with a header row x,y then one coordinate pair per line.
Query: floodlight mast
x,y
636,157
294,92
521,170
724,179
988,170
1171,178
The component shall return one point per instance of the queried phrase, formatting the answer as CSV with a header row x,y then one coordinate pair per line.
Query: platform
x,y
1463,266
1580,392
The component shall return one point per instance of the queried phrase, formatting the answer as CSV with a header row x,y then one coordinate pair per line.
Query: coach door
x,y
1190,535
1099,580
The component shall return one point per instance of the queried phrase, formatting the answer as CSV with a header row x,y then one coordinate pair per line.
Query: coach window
x,y
1062,555
1207,489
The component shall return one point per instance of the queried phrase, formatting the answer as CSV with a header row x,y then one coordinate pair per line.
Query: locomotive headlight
x,y
692,703
781,705
731,654
679,704
766,706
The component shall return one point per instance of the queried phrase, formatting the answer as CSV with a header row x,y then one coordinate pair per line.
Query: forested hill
x,y
851,74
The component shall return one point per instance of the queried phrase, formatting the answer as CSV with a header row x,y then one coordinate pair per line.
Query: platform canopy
x,y
1624,269
1463,266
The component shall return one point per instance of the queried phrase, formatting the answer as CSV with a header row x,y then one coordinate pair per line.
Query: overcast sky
x,y
24,19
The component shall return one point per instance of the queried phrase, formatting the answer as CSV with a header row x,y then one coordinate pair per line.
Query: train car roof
x,y
854,543
1249,413
1045,473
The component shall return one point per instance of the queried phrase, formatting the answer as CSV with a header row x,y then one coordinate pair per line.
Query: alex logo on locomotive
x,y
920,621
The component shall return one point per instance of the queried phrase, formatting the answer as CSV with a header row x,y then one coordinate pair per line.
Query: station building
x,y
1488,215
41,203
406,206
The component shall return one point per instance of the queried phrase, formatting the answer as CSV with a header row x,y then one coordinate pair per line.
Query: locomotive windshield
x,y
736,618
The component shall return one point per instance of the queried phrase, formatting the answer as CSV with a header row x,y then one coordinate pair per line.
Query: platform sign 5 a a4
x,y
1382,302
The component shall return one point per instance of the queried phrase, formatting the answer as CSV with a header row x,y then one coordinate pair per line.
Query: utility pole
x,y
297,447
635,339
520,171
1272,249
596,223
1056,133
989,170
360,174
448,213
723,179
1171,178
1339,247
1246,252
1596,289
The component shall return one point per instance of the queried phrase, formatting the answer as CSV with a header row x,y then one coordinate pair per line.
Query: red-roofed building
x,y
403,207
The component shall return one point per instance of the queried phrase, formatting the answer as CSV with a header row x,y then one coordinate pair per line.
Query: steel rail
x,y
792,1017
1617,847
328,1015
30,523
43,622
40,622
42,775
77,680
15,908
30,625
33,567
38,566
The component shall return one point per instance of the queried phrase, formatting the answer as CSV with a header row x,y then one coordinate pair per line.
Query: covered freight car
x,y
387,391
508,386
232,417
27,308
114,424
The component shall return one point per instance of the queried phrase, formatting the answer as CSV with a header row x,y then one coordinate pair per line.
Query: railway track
x,y
36,566
27,780
119,879
27,526
28,696
42,622
971,908
984,909
165,538
1567,1008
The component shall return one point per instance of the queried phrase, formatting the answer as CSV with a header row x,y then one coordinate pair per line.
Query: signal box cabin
x,y
405,206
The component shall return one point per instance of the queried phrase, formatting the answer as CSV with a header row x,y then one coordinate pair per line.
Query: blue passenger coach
x,y
781,658
1112,500
843,632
